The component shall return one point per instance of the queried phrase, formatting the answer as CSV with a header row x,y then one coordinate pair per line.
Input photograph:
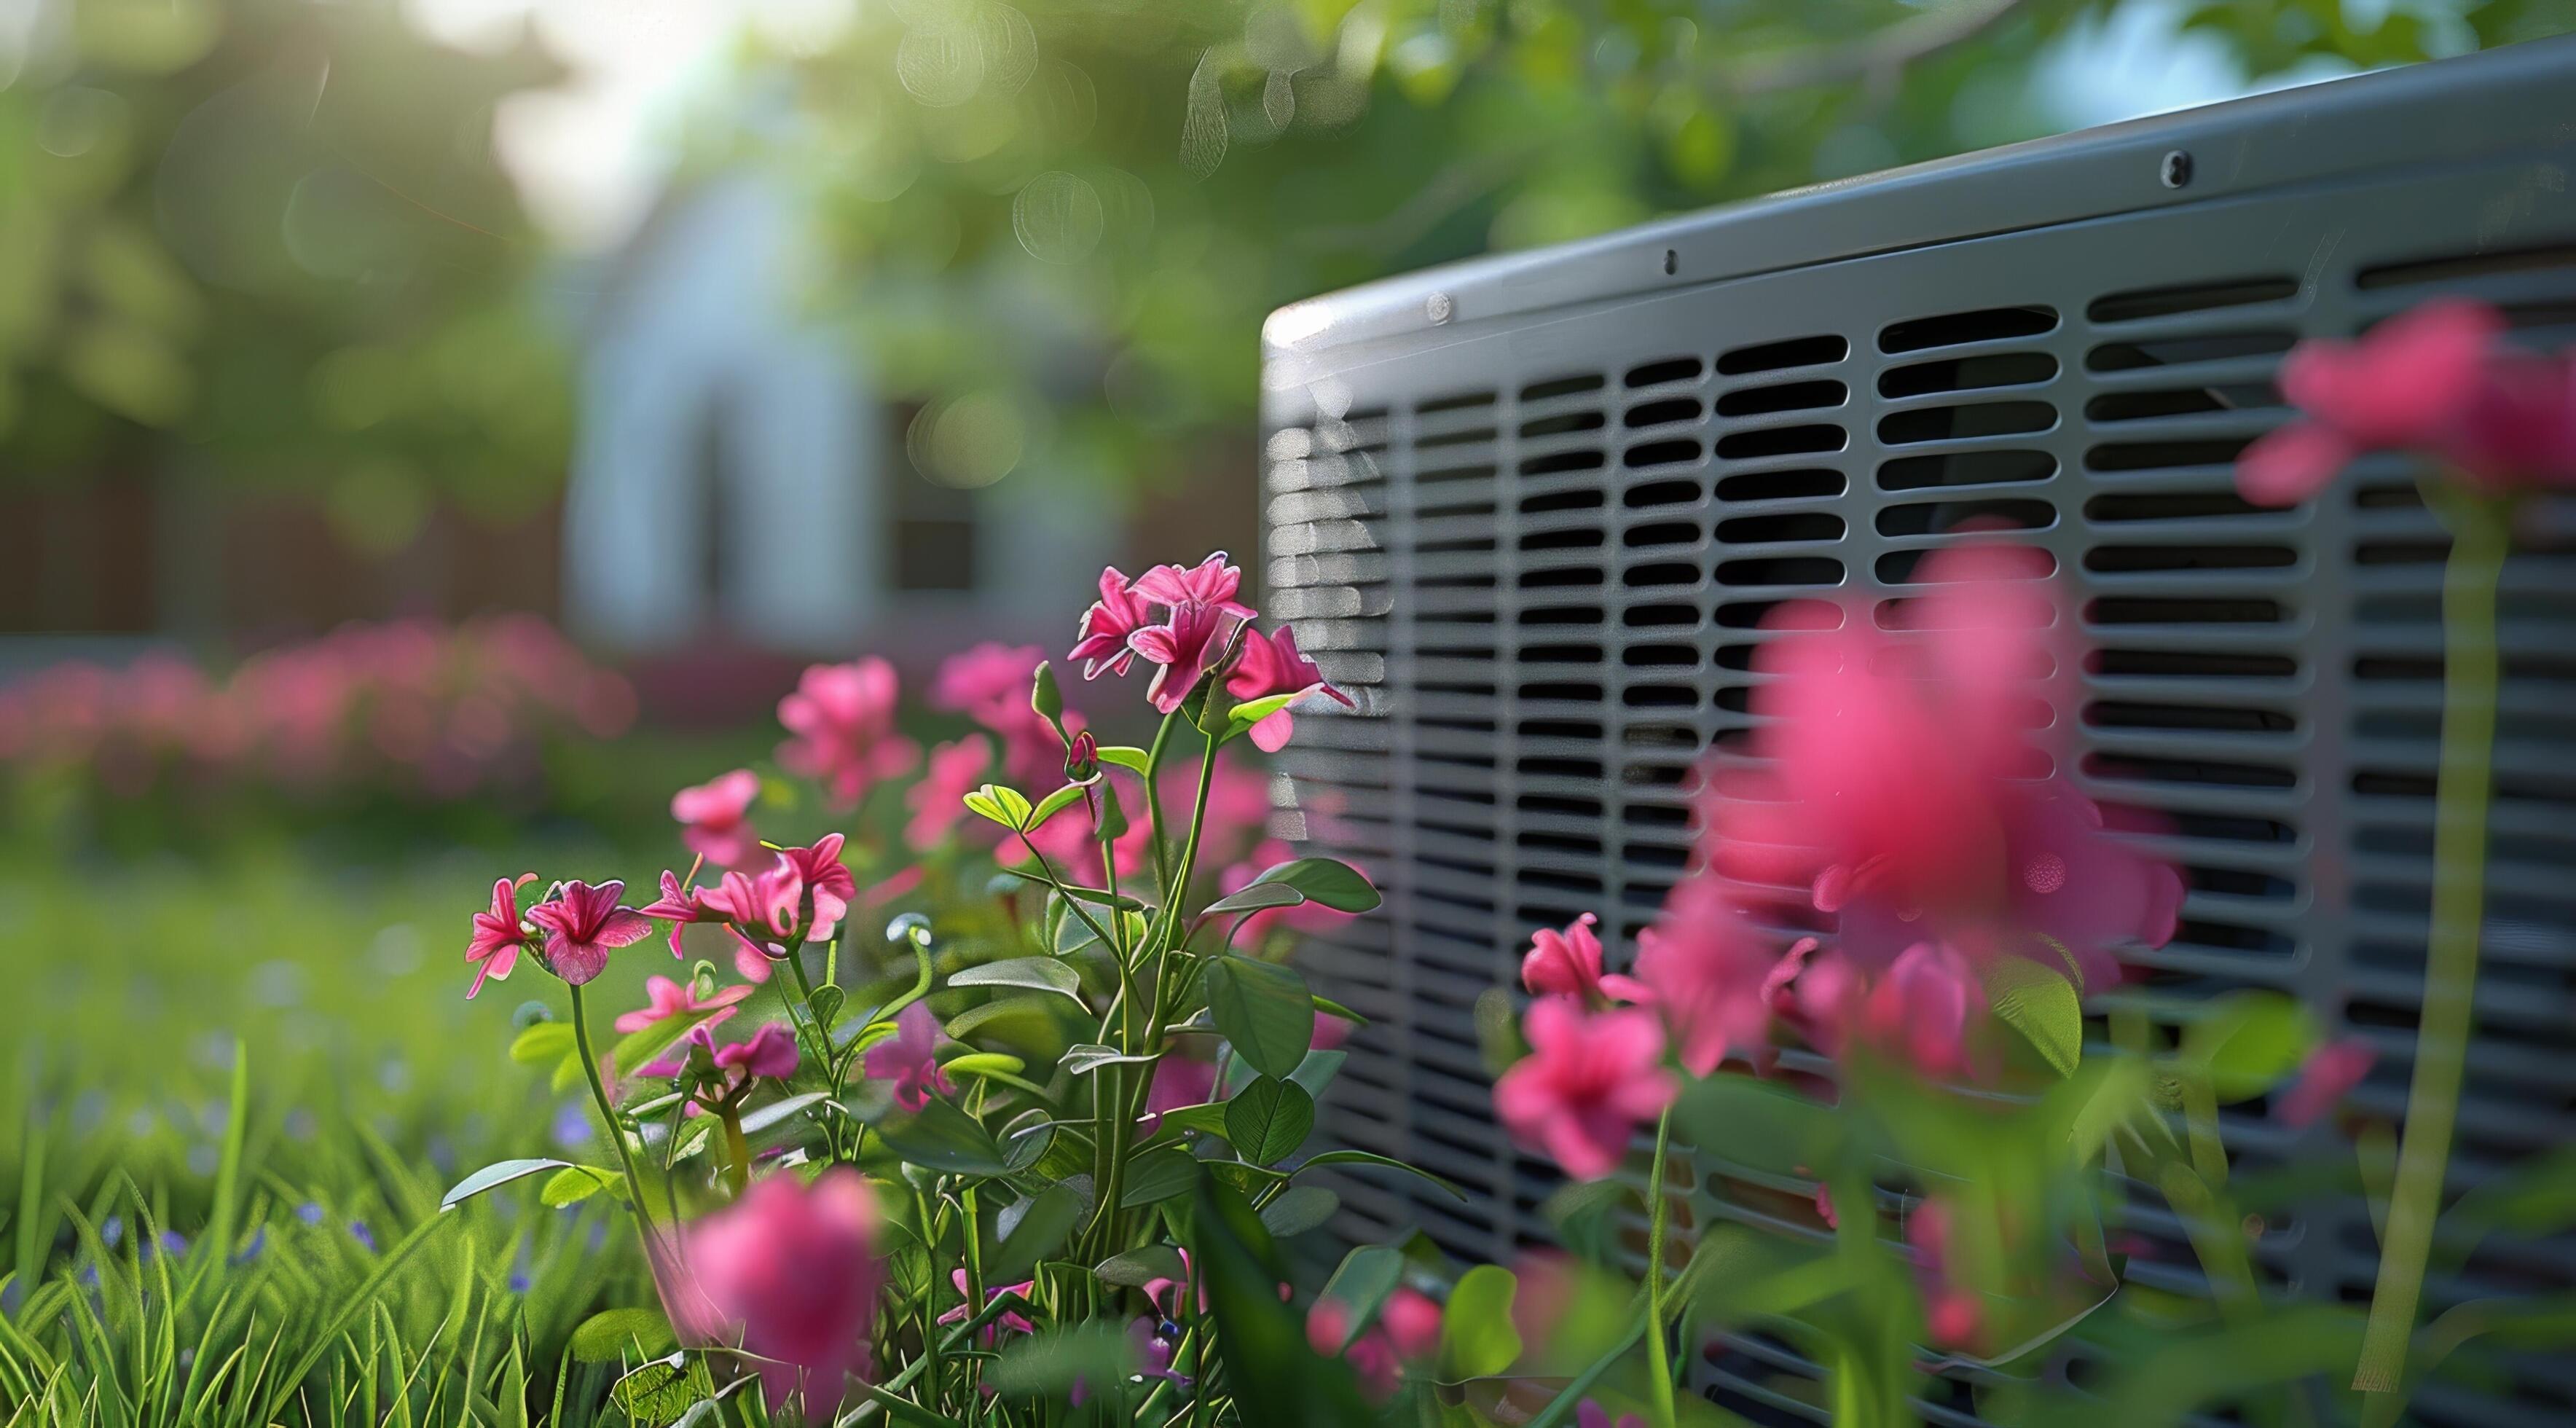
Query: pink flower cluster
x,y
800,897
1894,789
2439,379
1187,622
416,708
989,684
1407,1332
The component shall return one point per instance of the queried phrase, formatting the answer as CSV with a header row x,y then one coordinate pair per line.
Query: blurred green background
x,y
724,334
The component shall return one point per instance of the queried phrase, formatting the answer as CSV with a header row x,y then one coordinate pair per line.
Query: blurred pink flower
x,y
1589,1414
2436,379
991,673
1178,1081
1189,642
1412,1321
1102,635
957,768
664,999
494,946
1372,1357
1272,665
583,923
711,818
842,717
1705,970
1330,1033
1925,1008
1951,1314
1210,582
2332,1070
1568,964
1589,1080
789,1274
769,1051
1908,802
909,1059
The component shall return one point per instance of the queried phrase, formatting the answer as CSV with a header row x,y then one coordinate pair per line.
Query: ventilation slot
x,y
1660,453
1965,468
1563,423
1559,387
1671,369
2185,351
2170,506
1960,328
1798,484
2195,297
2464,269
1920,518
1671,409
1779,356
2196,401
1958,423
2165,455
1787,397
1780,441
1967,374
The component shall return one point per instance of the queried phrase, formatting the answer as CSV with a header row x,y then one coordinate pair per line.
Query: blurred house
x,y
735,478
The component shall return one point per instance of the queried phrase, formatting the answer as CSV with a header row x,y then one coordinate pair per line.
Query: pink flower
x,y
770,1052
679,907
2435,379
1372,1357
957,768
1328,1325
582,924
1568,964
842,717
1951,1314
1168,1295
1210,582
826,885
1412,1322
2332,1070
1925,1008
711,818
990,673
1907,802
1102,635
494,947
907,1059
1273,665
746,903
665,999
1183,649
1330,1033
1705,970
789,1274
1588,1081
1011,1319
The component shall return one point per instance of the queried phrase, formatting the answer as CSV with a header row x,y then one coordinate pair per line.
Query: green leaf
x,y
1158,1175
2246,1042
1758,1125
1091,1056
1044,696
1133,1268
1477,1339
664,1390
1044,974
779,1110
827,1003
1052,1361
1318,1070
1125,756
979,1063
500,1172
1263,1009
1326,882
1208,1119
1364,1157
1097,897
543,1044
2042,1005
1040,1229
1298,1209
940,1136
1053,804
1329,1007
1252,711
605,1337
1253,897
1004,805
576,1183
1361,1284
1268,1120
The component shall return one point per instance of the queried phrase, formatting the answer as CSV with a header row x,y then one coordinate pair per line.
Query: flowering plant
x,y
1022,1155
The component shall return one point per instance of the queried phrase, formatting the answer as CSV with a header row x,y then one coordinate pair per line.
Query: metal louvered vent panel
x,y
1543,543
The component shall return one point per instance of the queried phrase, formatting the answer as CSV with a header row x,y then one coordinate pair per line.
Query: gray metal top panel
x,y
2421,114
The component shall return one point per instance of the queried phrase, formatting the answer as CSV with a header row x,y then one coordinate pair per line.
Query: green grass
x,y
276,1064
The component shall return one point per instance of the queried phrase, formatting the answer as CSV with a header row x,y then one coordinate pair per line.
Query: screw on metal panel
x,y
1672,262
1438,307
2177,168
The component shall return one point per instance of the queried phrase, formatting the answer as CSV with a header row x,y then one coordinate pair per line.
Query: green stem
x,y
608,1119
1659,1365
2479,536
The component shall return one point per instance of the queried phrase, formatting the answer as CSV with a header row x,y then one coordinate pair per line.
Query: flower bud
x,y
702,981
1044,697
1082,759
